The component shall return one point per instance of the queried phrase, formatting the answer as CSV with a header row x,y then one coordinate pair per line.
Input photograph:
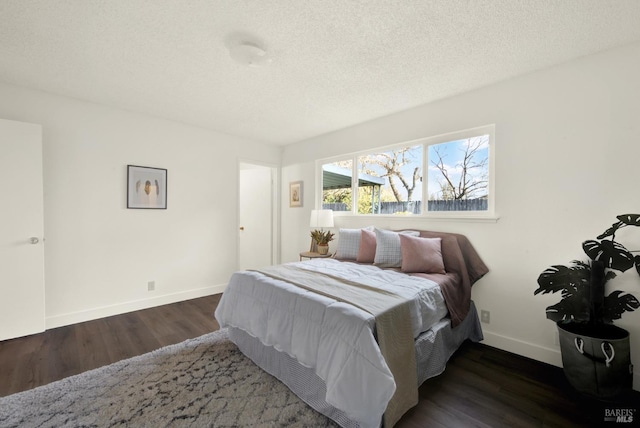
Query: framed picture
x,y
146,187
295,194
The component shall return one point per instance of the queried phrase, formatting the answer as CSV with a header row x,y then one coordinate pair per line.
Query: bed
x,y
354,336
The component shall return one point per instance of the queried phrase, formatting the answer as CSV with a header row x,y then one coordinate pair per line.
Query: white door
x,y
256,206
21,230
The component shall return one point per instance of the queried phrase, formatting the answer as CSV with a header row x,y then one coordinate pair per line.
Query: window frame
x,y
489,214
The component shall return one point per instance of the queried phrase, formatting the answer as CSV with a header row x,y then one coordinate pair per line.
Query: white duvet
x,y
334,338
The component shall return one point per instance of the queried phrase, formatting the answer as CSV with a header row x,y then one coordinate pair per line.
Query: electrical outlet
x,y
151,285
485,316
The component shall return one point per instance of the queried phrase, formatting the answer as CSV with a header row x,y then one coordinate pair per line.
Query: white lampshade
x,y
321,218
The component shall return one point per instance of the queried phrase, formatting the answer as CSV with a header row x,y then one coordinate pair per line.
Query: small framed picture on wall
x,y
295,194
146,187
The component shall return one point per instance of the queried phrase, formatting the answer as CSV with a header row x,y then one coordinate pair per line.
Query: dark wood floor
x,y
481,387
42,358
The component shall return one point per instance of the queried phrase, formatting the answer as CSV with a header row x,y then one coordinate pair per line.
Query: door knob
x,y
241,227
34,240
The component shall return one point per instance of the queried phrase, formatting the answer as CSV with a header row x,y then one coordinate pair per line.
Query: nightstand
x,y
312,255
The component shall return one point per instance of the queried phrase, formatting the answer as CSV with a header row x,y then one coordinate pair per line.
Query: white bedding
x,y
334,338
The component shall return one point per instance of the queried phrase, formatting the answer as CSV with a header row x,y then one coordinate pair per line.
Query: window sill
x,y
432,216
461,218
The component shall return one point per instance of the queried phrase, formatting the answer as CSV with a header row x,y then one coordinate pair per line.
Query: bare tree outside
x,y
468,176
399,166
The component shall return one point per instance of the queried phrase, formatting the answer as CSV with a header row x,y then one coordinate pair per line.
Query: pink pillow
x,y
367,252
421,254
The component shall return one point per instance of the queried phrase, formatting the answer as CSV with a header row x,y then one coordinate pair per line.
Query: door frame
x,y
275,209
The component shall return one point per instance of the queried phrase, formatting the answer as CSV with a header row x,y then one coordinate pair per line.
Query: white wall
x,y
99,255
567,150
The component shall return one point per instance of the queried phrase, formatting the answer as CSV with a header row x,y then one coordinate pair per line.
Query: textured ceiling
x,y
334,63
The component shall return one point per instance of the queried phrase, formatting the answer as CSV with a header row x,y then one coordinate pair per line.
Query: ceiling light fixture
x,y
246,50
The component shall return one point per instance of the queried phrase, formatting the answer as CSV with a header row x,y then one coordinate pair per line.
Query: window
x,y
459,175
390,182
337,192
444,175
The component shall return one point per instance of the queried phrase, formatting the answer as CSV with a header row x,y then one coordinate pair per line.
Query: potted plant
x,y
595,353
322,239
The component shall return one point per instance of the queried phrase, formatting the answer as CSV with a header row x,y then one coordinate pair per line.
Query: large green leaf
x,y
567,279
613,254
575,307
609,232
624,220
630,219
616,304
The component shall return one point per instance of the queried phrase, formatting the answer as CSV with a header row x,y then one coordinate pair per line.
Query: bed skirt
x,y
434,347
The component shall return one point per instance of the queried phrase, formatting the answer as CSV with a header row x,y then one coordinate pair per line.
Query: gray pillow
x,y
349,243
388,249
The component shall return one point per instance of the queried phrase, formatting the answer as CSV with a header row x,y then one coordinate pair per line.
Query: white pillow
x,y
349,243
388,248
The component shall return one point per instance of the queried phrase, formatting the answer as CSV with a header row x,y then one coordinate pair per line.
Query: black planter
x,y
596,360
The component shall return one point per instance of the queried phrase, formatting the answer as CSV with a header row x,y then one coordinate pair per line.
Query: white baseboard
x,y
535,352
121,308
526,349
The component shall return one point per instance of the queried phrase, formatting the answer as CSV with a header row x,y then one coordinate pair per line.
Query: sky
x,y
452,156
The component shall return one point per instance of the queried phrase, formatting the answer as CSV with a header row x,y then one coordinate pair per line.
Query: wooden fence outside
x,y
414,206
